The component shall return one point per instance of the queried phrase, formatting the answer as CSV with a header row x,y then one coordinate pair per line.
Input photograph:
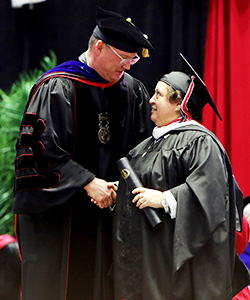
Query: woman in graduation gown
x,y
187,179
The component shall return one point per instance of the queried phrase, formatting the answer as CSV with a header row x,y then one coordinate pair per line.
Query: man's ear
x,y
99,45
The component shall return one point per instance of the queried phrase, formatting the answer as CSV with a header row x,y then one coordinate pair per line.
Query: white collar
x,y
160,131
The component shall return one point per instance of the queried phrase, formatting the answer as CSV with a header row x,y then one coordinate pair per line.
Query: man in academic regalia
x,y
81,117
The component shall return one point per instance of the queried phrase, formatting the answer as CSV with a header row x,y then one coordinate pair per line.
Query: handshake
x,y
101,192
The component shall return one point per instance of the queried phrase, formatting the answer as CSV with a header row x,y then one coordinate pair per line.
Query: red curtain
x,y
226,74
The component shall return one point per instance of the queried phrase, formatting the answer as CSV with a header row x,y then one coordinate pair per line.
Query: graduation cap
x,y
191,87
117,31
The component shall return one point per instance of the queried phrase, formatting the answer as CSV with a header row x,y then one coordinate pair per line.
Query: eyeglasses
x,y
124,61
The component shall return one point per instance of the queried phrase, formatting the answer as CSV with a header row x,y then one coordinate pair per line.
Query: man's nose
x,y
127,65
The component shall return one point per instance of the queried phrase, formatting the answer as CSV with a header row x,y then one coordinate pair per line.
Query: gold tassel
x,y
145,52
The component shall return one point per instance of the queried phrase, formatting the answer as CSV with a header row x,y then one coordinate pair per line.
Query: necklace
x,y
148,149
104,135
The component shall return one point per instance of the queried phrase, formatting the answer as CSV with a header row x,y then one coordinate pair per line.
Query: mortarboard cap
x,y
117,31
181,81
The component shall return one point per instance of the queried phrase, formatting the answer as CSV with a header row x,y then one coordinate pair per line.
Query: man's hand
x,y
101,192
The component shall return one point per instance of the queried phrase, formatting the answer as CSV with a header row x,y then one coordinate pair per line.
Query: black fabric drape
x,y
173,26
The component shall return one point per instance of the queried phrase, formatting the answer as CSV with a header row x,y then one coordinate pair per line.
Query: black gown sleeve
x,y
46,173
203,199
137,124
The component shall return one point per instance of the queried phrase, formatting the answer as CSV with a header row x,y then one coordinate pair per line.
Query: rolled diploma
x,y
133,182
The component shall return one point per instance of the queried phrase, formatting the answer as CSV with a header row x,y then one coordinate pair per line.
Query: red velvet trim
x,y
24,125
30,119
27,162
185,101
28,133
26,139
177,120
30,113
74,143
24,155
97,84
17,236
24,161
41,147
36,182
41,125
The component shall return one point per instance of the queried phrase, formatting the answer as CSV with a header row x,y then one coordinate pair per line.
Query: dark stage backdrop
x,y
65,26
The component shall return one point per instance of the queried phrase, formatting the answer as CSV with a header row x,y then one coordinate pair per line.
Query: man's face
x,y
109,63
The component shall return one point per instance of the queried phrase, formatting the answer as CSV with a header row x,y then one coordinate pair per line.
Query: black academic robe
x,y
58,153
190,256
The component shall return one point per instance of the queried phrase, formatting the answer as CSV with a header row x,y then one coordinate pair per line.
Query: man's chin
x,y
115,77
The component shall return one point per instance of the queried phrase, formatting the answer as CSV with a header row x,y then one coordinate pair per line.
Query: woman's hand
x,y
147,197
102,193
114,187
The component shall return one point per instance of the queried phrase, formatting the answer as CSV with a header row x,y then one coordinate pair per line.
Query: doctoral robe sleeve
x,y
137,123
143,120
203,198
46,173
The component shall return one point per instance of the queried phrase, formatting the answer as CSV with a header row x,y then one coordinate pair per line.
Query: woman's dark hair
x,y
175,97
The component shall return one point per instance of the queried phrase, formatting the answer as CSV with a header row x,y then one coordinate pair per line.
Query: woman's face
x,y
163,111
